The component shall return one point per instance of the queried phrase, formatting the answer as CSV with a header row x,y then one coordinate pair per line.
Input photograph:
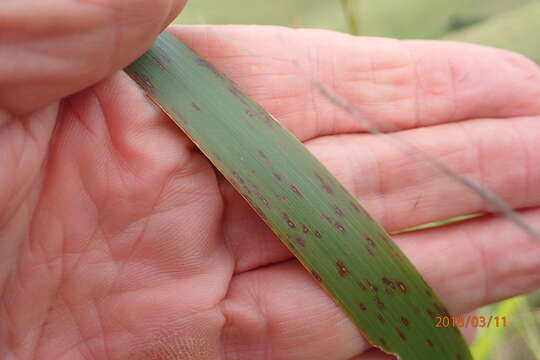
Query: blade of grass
x,y
351,12
351,256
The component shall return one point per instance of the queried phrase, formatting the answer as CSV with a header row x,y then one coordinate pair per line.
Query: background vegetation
x,y
509,24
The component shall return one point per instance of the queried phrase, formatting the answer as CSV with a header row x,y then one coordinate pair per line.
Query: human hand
x,y
120,241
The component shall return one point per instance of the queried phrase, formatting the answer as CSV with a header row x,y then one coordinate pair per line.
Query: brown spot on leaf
x,y
355,206
340,227
301,241
305,229
379,302
388,282
401,334
402,287
382,341
405,321
263,155
317,276
370,252
278,176
361,285
371,242
318,234
372,286
342,269
429,342
338,211
195,107
380,317
143,80
363,307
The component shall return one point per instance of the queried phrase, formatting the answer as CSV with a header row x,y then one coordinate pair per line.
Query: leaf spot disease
x,y
195,107
401,334
382,341
316,276
379,302
429,342
324,184
290,223
380,317
305,229
361,285
405,321
296,191
340,227
301,241
372,286
402,287
388,282
338,211
363,307
342,269
278,176
318,234
371,242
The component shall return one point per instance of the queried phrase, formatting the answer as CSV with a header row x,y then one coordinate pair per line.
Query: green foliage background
x,y
508,24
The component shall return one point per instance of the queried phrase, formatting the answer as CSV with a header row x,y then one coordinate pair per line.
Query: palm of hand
x,y
125,243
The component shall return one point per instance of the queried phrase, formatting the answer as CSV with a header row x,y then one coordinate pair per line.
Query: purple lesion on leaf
x,y
326,186
372,286
295,190
341,268
340,227
164,55
143,80
263,199
402,287
290,223
355,207
157,60
338,211
318,234
317,276
370,252
278,176
305,229
260,212
301,241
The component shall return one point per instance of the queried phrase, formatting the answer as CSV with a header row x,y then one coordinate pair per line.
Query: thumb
x,y
50,49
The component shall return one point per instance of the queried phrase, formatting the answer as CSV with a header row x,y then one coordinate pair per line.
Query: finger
x,y
393,178
469,265
402,190
55,48
396,84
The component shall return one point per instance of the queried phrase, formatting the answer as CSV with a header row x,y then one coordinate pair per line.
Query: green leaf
x,y
351,256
